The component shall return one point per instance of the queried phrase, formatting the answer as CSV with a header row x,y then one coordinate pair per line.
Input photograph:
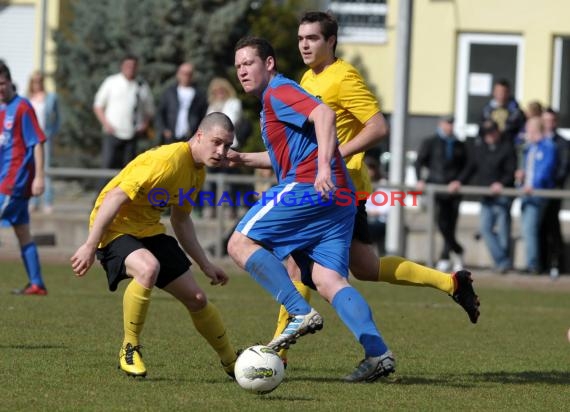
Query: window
x,y
361,20
561,83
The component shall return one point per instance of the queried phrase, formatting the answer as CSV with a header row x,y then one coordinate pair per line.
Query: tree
x,y
162,33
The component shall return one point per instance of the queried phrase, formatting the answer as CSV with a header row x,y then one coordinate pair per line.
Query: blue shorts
x,y
292,217
14,210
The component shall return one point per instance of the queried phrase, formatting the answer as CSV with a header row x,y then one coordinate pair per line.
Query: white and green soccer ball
x,y
259,369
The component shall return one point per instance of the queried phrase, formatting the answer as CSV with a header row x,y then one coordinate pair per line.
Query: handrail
x,y
431,190
222,180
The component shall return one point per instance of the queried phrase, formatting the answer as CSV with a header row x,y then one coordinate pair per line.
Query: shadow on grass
x,y
472,379
270,397
33,347
161,379
322,379
462,380
524,377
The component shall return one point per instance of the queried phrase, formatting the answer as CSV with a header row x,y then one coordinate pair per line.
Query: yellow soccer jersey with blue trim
x,y
341,87
169,168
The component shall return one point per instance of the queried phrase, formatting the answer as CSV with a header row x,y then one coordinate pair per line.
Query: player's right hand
x,y
324,183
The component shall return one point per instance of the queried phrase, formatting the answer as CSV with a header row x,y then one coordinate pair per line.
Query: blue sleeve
x,y
31,131
547,177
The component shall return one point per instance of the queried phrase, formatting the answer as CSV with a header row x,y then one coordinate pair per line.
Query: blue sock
x,y
270,273
354,311
32,263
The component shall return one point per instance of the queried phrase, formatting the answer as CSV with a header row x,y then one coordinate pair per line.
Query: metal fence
x,y
223,182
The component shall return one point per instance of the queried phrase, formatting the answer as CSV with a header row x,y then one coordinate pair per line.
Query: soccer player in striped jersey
x,y
21,174
301,215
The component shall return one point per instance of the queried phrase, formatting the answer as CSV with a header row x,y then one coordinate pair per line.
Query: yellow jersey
x,y
341,87
165,172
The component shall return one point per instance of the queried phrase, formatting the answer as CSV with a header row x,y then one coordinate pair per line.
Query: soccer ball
x,y
259,369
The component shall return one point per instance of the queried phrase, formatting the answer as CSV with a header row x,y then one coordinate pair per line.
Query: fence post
x,y
220,214
430,224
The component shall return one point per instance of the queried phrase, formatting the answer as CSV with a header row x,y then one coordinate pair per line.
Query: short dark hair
x,y
503,82
328,23
217,119
551,111
488,126
262,46
129,56
5,71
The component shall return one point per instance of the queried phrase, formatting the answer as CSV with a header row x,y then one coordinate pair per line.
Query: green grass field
x,y
60,352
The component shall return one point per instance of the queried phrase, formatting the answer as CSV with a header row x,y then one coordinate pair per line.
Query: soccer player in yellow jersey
x,y
360,126
130,242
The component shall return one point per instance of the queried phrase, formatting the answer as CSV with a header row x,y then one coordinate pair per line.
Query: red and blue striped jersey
x,y
19,133
290,138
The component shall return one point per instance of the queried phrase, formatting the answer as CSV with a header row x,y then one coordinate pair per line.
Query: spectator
x,y
533,109
493,164
124,106
539,173
182,107
222,98
47,112
551,242
504,110
444,156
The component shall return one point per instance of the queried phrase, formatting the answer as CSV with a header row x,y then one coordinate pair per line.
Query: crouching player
x,y
130,242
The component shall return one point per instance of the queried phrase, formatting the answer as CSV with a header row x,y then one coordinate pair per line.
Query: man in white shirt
x,y
124,106
182,107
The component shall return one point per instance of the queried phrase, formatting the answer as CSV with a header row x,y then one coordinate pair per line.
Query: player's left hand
x,y
233,159
215,273
38,186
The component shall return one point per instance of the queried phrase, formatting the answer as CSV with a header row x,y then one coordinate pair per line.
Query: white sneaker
x,y
443,265
457,261
298,326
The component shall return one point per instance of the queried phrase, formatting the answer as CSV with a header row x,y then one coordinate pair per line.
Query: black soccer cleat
x,y
464,294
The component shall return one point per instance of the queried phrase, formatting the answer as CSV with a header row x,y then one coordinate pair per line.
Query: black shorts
x,y
172,259
361,231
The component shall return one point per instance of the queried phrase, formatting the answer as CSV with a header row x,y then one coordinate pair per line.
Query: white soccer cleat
x,y
298,326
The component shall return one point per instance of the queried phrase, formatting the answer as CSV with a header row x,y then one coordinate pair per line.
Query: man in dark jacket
x,y
182,108
445,158
504,110
493,163
551,241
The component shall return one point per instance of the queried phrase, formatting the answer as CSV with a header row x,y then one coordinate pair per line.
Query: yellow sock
x,y
208,322
399,271
283,317
135,306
